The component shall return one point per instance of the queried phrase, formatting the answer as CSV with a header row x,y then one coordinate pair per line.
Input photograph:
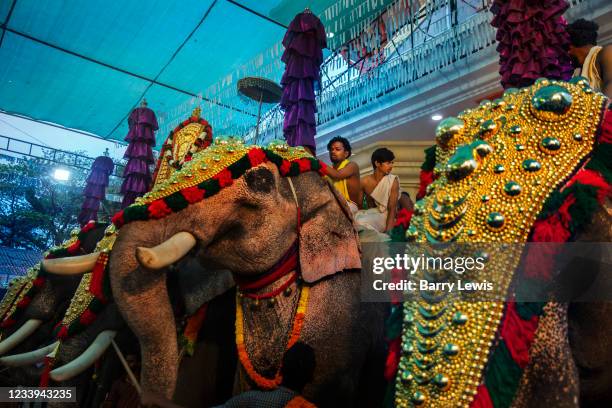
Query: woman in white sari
x,y
381,192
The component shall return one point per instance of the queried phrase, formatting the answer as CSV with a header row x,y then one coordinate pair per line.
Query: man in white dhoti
x,y
382,194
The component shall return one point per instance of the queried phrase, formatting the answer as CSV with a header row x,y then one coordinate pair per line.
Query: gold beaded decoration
x,y
207,163
80,300
203,166
82,296
182,143
497,165
18,287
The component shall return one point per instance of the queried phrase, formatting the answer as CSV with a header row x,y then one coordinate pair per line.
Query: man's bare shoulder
x,y
368,179
606,51
604,59
353,166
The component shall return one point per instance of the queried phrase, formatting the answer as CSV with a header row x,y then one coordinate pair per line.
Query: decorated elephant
x,y
288,238
86,330
35,302
79,311
532,166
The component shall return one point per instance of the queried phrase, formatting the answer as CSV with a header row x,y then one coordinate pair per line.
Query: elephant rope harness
x,y
288,263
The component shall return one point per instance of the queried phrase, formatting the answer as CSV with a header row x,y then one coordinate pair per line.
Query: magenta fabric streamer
x,y
141,137
532,41
95,189
304,43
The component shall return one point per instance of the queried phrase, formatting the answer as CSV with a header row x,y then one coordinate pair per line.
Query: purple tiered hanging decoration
x,y
532,41
304,43
95,189
137,174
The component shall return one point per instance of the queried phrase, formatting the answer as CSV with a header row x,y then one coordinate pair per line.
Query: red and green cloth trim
x,y
190,195
74,248
393,324
100,282
402,221
567,212
99,287
510,356
426,177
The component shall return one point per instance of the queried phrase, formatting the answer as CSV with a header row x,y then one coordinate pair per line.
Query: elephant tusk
x,y
19,335
86,359
166,253
31,357
75,265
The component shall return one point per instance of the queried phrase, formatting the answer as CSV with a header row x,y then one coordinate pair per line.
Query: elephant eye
x,y
260,180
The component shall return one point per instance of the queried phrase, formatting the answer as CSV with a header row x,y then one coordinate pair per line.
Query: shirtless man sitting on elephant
x,y
344,173
382,192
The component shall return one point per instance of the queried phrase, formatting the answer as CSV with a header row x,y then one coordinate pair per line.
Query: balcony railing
x,y
399,71
403,68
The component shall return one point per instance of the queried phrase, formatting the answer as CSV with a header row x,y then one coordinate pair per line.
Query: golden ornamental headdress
x,y
496,166
211,170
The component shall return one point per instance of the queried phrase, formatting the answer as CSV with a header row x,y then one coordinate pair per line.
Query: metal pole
x,y
411,25
258,117
129,371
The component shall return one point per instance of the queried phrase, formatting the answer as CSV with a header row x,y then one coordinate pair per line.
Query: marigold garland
x,y
193,325
298,322
300,402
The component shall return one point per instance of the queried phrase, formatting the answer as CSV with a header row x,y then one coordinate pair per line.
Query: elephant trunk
x,y
142,297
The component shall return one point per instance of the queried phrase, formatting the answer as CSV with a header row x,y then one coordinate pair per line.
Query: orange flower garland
x,y
298,321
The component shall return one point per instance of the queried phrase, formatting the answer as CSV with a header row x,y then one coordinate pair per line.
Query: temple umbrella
x,y
137,174
304,43
532,41
261,90
95,189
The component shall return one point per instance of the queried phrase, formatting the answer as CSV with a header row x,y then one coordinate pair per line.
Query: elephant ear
x,y
328,239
